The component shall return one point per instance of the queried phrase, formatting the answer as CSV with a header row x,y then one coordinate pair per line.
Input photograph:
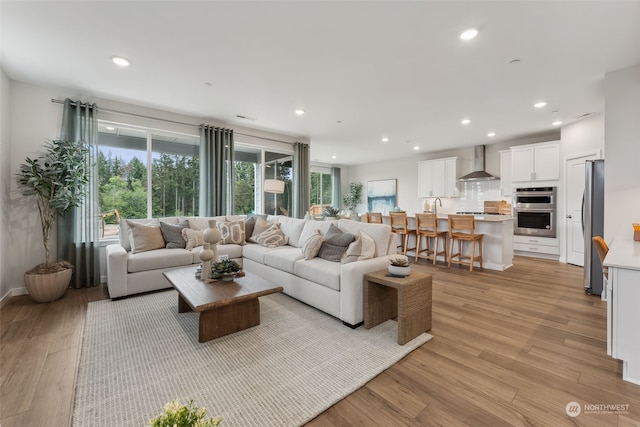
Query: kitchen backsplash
x,y
473,194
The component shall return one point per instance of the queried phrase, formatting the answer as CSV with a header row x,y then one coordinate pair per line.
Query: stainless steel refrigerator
x,y
593,224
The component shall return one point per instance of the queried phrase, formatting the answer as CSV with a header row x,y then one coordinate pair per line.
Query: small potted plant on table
x,y
399,267
331,213
225,270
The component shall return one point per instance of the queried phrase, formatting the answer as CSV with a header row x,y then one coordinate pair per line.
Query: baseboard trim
x,y
12,293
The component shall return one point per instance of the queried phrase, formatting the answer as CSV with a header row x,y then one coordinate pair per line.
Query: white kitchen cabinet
x,y
543,247
623,317
535,162
505,173
438,178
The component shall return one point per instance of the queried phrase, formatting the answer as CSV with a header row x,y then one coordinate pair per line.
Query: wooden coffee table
x,y
224,307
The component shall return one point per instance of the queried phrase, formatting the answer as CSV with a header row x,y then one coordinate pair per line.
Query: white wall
x,y
622,144
5,153
35,119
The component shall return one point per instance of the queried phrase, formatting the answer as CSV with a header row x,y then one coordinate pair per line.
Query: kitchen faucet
x,y
435,205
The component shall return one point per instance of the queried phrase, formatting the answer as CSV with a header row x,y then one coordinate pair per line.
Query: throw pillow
x,y
311,247
232,232
335,244
272,237
261,225
193,238
249,224
362,248
172,234
144,237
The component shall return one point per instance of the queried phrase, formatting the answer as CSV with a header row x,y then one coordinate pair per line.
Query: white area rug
x,y
139,353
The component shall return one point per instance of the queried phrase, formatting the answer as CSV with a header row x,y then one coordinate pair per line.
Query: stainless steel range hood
x,y
478,173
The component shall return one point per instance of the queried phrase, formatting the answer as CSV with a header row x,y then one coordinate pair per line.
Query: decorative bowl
x,y
228,277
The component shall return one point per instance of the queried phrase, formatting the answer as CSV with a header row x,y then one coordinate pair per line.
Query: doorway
x,y
575,169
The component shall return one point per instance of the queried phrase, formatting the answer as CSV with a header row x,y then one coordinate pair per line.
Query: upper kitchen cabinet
x,y
505,173
437,178
535,162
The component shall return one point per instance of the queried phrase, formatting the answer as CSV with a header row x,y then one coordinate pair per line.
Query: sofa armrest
x,y
116,270
352,286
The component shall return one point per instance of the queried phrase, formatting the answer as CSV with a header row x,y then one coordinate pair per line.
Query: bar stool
x,y
427,228
400,225
374,217
462,228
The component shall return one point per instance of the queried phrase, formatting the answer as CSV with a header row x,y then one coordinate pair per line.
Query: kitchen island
x,y
497,246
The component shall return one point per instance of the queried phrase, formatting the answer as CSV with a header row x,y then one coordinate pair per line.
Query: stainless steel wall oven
x,y
535,211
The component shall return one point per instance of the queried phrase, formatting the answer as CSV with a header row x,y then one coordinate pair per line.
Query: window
x,y
129,189
279,166
246,166
321,191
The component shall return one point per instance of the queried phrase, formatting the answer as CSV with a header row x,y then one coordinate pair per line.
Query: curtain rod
x,y
58,101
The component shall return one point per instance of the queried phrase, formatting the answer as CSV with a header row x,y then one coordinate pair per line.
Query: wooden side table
x,y
407,298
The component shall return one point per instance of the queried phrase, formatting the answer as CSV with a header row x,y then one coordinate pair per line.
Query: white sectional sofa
x,y
333,287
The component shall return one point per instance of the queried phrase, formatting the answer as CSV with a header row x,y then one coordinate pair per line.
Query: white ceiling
x,y
384,68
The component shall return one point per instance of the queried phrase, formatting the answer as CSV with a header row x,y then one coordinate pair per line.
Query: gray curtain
x,y
336,193
216,171
79,230
301,180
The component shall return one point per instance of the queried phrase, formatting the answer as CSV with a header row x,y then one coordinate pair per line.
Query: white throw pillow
x,y
362,248
193,238
144,237
311,247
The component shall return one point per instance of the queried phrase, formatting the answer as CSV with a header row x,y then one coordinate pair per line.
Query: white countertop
x,y
623,253
488,218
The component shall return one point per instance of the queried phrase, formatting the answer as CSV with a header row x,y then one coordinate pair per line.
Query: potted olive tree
x,y
57,181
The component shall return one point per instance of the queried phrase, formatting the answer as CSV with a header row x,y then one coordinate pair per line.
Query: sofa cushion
x,y
160,258
380,233
311,247
232,232
362,248
232,251
283,258
202,223
192,238
255,252
123,230
271,237
172,234
144,237
260,225
292,228
320,271
311,226
335,244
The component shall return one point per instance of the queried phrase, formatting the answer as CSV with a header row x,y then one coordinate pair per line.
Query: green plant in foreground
x,y
224,267
179,415
399,262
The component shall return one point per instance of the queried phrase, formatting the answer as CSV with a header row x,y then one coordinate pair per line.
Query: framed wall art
x,y
381,196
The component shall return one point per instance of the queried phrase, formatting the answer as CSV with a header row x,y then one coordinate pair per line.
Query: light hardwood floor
x,y
509,348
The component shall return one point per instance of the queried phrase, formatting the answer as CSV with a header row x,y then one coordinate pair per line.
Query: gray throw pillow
x,y
335,244
172,234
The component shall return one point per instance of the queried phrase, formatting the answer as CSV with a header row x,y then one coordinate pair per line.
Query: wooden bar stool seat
x,y
400,225
427,229
463,229
374,217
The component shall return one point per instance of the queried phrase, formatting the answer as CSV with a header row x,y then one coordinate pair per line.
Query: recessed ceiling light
x,y
299,112
557,122
119,60
540,104
333,157
491,134
465,121
385,139
416,147
469,34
